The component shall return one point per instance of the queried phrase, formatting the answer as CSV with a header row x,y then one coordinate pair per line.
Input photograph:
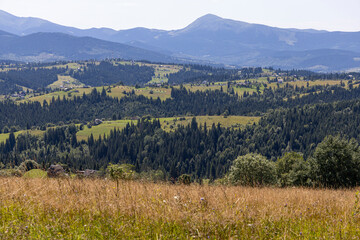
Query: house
x,y
97,122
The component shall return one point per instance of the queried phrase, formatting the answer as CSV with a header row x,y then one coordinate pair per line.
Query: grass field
x,y
66,82
311,83
101,129
161,71
97,209
4,136
168,124
116,92
231,121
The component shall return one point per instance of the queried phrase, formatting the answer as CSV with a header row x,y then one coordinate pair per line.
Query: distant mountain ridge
x,y
59,46
214,39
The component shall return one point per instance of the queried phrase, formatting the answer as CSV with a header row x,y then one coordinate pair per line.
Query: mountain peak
x,y
209,17
3,13
211,22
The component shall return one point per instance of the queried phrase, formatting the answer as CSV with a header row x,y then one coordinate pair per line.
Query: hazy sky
x,y
342,15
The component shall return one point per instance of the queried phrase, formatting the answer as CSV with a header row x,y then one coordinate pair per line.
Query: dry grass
x,y
88,209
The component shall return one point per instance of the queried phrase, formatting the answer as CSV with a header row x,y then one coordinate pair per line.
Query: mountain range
x,y
208,39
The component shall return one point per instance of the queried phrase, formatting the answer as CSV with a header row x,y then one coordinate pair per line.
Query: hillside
x,y
59,46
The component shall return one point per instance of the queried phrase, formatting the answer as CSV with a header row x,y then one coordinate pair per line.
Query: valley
x,y
212,129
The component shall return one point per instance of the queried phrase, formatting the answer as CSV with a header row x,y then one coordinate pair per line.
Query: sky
x,y
331,15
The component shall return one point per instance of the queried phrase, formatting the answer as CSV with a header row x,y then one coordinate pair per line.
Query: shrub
x,y
123,171
292,170
28,165
252,170
10,173
185,179
335,163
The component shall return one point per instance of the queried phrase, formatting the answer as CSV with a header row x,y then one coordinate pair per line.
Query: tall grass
x,y
97,209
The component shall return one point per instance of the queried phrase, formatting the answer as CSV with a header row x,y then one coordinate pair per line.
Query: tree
x,y
119,172
335,163
252,170
291,170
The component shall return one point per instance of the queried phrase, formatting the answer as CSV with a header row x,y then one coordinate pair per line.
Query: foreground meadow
x,y
98,209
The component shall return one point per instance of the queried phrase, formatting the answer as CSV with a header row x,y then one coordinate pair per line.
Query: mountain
x,y
214,39
60,46
233,42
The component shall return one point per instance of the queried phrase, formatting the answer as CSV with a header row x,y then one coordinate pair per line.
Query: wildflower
x,y
176,197
202,199
164,201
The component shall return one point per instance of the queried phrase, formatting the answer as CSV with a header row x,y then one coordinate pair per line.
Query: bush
x,y
292,170
252,170
10,173
335,163
28,165
185,179
123,171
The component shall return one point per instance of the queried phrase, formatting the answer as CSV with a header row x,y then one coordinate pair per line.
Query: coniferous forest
x,y
294,119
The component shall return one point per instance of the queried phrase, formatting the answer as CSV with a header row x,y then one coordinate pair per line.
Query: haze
x,y
332,15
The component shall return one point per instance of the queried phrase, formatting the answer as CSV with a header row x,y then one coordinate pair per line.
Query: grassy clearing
x,y
168,124
217,86
149,92
66,82
89,209
201,88
311,83
161,71
4,136
116,92
101,129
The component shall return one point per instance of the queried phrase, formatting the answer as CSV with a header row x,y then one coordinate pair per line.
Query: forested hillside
x,y
296,115
202,151
183,102
106,73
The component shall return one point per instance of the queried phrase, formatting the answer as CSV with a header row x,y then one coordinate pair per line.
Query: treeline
x,y
200,73
33,78
106,73
322,76
183,102
7,87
